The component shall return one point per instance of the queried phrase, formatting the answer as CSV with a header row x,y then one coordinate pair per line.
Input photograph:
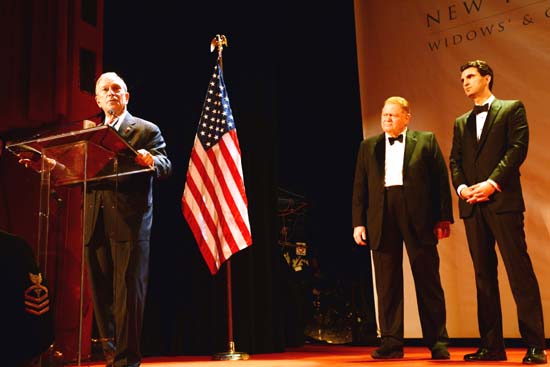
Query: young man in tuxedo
x,y
489,145
402,194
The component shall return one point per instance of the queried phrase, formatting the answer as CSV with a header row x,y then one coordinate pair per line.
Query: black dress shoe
x,y
109,358
484,354
387,353
441,353
439,350
535,355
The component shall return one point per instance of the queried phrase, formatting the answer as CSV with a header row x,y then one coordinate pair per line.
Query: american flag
x,y
214,201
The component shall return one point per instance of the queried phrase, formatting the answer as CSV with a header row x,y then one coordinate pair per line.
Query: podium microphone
x,y
114,120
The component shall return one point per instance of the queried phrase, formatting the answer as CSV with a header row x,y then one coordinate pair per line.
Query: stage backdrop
x,y
414,49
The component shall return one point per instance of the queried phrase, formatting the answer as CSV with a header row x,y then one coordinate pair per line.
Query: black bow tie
x,y
480,109
398,138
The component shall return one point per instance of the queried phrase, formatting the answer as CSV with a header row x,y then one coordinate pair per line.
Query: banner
x,y
414,49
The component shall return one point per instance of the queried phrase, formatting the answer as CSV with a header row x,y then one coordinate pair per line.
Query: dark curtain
x,y
35,96
33,70
34,63
167,64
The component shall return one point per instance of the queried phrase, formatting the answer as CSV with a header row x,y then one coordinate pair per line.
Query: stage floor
x,y
319,355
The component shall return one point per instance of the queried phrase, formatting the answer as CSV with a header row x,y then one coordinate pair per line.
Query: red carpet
x,y
329,356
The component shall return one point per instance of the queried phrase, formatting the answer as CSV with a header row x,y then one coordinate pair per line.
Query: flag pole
x,y
218,42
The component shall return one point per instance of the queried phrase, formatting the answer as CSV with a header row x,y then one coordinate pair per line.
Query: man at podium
x,y
118,228
118,215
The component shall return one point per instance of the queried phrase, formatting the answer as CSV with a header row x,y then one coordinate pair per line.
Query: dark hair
x,y
482,67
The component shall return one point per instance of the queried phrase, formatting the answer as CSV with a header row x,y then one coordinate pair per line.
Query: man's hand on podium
x,y
145,159
29,160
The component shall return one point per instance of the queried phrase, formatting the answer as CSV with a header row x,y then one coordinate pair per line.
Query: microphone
x,y
114,119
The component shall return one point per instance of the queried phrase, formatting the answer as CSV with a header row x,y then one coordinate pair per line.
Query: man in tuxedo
x,y
401,193
489,145
119,215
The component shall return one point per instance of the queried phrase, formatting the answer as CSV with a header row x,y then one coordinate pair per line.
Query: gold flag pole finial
x,y
217,43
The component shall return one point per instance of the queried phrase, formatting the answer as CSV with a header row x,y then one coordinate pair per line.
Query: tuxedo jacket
x,y
497,155
127,205
425,184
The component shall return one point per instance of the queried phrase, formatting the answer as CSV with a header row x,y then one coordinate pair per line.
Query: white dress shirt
x,y
395,153
480,122
482,116
115,124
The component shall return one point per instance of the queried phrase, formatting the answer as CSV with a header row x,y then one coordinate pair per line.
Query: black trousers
x,y
388,265
483,229
118,273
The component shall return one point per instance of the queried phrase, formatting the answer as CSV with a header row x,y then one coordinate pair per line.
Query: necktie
x,y
479,109
398,138
112,123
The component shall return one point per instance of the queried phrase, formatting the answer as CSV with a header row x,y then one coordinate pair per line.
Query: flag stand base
x,y
230,355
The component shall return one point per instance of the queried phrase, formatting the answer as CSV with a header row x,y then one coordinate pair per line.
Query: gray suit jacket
x,y
128,204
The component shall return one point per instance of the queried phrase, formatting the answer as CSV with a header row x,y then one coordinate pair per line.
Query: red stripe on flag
x,y
202,213
203,245
211,153
234,167
218,217
229,198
